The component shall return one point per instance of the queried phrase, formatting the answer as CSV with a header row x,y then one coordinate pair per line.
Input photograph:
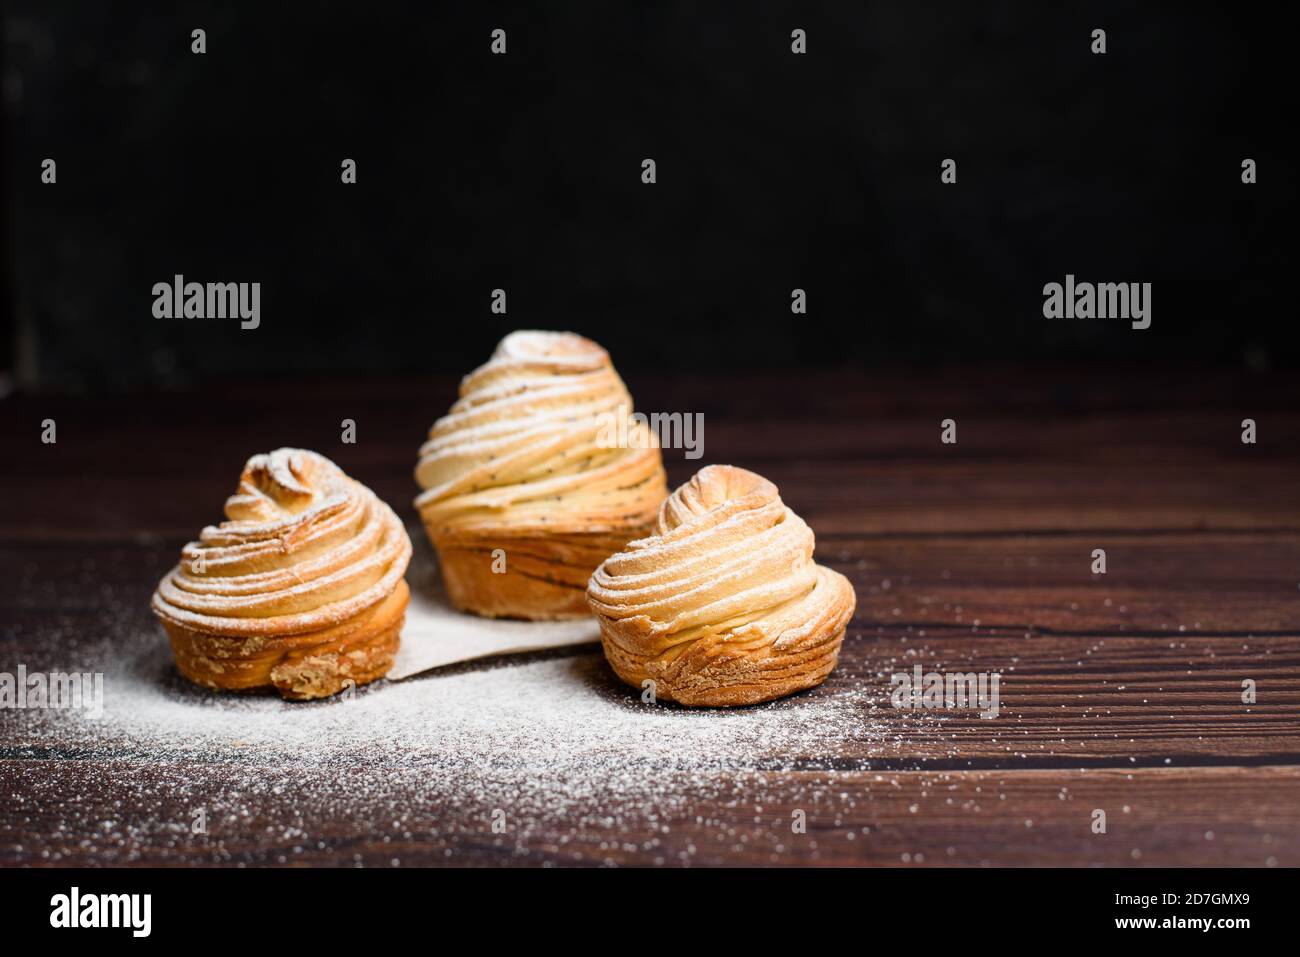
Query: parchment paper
x,y
436,634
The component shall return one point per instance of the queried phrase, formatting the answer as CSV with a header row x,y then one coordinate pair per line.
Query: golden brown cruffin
x,y
724,604
537,473
301,588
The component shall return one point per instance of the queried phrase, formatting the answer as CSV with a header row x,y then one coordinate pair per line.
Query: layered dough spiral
x,y
301,588
724,604
536,474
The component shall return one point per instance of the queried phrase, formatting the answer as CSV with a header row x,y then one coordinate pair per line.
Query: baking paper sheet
x,y
436,634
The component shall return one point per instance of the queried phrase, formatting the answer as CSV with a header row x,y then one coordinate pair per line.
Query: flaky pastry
x,y
524,491
724,604
300,588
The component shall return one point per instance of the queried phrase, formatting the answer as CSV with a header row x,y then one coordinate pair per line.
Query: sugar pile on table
x,y
549,743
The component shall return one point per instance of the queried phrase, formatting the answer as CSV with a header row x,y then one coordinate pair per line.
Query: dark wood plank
x,y
851,453
114,813
844,497
1164,584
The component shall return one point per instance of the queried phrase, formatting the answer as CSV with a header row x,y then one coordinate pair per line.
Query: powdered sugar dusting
x,y
548,745
519,712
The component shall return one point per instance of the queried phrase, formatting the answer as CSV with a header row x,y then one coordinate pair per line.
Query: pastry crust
x,y
724,604
301,588
527,484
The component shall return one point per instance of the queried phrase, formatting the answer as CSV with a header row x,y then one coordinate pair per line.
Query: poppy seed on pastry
x,y
517,465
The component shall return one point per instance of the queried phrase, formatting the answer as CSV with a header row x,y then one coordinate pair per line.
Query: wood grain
x,y
1121,690
1225,816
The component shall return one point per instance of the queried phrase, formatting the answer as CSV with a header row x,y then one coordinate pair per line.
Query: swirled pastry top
x,y
303,547
540,436
728,555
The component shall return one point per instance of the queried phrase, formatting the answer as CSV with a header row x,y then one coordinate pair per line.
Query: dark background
x,y
523,172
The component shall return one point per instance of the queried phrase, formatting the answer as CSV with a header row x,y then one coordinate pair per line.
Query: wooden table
x,y
1121,691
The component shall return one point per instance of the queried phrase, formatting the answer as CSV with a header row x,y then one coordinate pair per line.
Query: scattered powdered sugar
x,y
549,747
520,713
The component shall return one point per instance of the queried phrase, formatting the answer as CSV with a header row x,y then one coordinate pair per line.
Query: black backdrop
x,y
522,171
